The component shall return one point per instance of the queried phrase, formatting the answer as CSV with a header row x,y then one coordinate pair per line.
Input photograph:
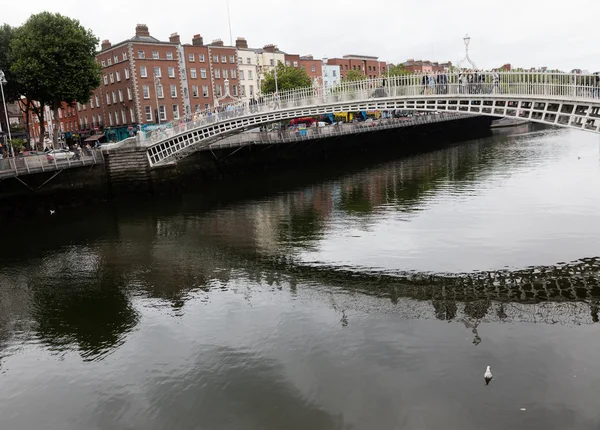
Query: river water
x,y
366,296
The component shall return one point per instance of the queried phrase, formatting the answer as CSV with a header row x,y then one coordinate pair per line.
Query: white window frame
x,y
126,73
143,72
218,73
155,55
121,95
203,73
205,92
175,111
129,93
162,113
169,55
193,73
160,91
173,91
191,58
141,54
146,92
159,70
195,91
171,72
118,76
201,58
148,113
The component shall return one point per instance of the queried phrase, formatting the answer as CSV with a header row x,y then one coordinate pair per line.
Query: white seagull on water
x,y
487,375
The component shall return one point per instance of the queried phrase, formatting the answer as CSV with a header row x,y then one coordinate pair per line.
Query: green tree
x,y
354,75
398,70
53,60
288,78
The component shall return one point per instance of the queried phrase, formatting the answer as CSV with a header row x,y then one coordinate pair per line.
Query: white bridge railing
x,y
563,86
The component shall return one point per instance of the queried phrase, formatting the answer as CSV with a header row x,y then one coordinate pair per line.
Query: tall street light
x,y
156,85
275,72
3,81
467,40
229,19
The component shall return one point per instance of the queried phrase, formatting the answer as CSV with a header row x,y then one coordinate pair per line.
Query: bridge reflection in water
x,y
85,288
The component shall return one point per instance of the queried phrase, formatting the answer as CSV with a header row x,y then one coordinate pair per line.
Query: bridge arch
x,y
562,100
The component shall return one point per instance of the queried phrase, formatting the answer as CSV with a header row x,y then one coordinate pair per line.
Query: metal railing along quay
x,y
29,164
334,130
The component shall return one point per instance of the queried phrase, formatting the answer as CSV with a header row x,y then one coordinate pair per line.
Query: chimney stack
x,y
197,40
270,48
217,42
174,38
241,43
105,44
142,30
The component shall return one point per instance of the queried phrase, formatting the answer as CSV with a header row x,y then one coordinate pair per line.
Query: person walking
x,y
496,83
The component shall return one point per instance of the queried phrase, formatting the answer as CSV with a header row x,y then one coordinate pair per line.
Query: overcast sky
x,y
525,33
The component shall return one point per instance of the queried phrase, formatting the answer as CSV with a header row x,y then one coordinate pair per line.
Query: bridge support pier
x,y
128,170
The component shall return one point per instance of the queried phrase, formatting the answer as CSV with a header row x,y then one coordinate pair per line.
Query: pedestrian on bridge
x,y
496,83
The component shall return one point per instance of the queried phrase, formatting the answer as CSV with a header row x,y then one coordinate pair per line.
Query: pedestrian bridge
x,y
559,99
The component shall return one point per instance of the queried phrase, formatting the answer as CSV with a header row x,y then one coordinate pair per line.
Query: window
x,y
175,111
250,74
217,73
141,54
314,69
171,71
120,95
173,91
191,58
97,101
155,55
201,58
103,63
232,59
295,64
272,62
346,67
193,73
124,116
240,60
105,80
223,58
132,114
118,76
287,63
205,90
78,107
248,60
242,90
196,108
114,97
143,72
225,74
100,119
124,56
107,98
126,73
109,62
91,103
148,113
232,73
157,72
112,78
116,59
241,75
203,73
60,113
334,73
110,120
219,90
235,90
195,91
159,92
146,91
169,55
251,90
215,58
162,112
206,106
129,95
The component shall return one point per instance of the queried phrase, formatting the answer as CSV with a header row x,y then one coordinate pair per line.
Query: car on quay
x,y
59,155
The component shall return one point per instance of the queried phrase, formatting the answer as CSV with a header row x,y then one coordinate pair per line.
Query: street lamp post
x,y
2,83
467,40
156,84
275,73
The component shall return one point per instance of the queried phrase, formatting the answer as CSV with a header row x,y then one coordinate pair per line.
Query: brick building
x,y
426,66
371,67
